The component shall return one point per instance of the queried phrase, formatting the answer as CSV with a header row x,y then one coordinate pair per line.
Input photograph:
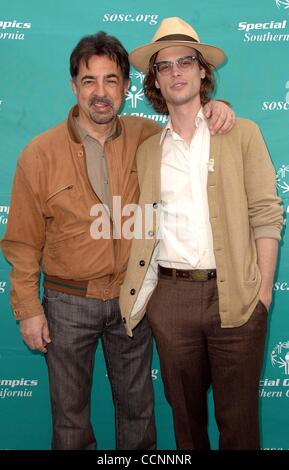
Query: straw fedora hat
x,y
174,32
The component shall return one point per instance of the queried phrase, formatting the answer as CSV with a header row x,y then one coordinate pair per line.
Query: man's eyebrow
x,y
90,77
112,75
93,77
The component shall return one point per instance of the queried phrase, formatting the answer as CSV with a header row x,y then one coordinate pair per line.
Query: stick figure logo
x,y
282,4
134,95
282,180
280,356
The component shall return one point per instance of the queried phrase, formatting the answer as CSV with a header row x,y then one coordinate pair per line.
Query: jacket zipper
x,y
70,186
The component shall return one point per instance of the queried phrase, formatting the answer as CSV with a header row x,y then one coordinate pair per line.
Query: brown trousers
x,y
195,352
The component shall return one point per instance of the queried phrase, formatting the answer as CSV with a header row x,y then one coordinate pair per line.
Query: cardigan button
x,y
150,233
132,291
124,320
142,262
155,205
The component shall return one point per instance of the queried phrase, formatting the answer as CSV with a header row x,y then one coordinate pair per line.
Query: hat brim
x,y
140,57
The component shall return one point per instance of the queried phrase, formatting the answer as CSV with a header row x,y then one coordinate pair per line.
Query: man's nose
x,y
175,71
99,89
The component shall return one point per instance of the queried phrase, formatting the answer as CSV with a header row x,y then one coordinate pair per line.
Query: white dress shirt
x,y
185,235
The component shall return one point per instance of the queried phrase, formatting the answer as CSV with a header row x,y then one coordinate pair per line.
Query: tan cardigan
x,y
243,207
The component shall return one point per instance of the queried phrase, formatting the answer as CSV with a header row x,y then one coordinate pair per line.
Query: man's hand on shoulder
x,y
221,117
35,332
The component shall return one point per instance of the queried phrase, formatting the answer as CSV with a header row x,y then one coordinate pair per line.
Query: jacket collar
x,y
74,132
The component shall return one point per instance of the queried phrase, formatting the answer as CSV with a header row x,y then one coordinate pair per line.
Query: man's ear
x,y
126,86
157,84
73,86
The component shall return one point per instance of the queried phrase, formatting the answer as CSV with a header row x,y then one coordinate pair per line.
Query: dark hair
x,y
100,44
154,95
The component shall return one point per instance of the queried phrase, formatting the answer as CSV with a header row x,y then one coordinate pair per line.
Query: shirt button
x,y
142,262
150,233
155,205
132,291
80,153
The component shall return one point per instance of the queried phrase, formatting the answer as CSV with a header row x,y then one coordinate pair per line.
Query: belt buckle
x,y
199,275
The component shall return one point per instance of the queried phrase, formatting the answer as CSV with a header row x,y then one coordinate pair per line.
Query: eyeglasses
x,y
183,63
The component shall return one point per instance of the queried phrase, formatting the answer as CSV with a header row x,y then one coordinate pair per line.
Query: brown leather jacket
x,y
49,226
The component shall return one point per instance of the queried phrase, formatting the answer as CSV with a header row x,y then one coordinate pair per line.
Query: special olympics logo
x,y
282,178
280,356
135,93
282,3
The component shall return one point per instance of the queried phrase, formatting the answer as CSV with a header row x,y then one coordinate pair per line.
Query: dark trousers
x,y
76,324
195,352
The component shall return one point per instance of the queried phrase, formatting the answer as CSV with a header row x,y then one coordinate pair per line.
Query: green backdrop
x,y
36,39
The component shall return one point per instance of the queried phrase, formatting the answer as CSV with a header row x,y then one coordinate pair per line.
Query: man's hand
x,y
35,332
221,117
266,298
267,250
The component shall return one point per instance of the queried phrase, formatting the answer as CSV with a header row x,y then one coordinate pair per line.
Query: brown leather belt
x,y
189,274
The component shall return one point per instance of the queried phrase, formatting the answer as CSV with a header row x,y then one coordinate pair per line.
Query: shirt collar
x,y
168,130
